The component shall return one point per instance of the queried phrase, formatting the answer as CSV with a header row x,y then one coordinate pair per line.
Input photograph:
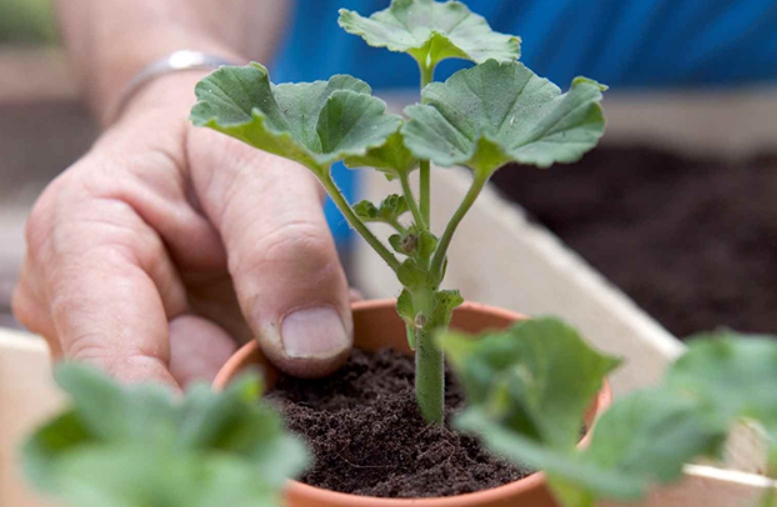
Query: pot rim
x,y
298,489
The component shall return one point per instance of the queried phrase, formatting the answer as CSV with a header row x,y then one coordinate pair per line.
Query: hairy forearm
x,y
110,42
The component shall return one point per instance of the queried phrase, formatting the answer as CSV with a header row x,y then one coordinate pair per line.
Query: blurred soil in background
x,y
693,241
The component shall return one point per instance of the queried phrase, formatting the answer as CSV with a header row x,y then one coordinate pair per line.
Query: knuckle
x,y
303,243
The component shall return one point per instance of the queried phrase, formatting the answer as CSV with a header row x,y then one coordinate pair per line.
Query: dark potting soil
x,y
693,241
368,437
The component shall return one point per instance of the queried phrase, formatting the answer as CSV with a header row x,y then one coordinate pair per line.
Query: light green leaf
x,y
432,31
396,242
733,375
642,440
495,113
392,158
571,478
445,301
142,413
126,476
315,124
649,435
412,276
538,377
166,451
390,209
427,243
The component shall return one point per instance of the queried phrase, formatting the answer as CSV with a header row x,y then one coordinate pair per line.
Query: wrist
x,y
111,94
171,95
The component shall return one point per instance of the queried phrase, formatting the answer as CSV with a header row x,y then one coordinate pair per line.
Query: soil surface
x,y
369,439
692,241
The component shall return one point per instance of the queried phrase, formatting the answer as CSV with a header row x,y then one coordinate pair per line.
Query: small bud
x,y
420,320
409,243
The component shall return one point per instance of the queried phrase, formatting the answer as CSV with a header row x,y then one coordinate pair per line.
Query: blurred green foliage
x,y
27,22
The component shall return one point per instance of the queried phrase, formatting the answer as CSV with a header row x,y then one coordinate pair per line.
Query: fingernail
x,y
314,333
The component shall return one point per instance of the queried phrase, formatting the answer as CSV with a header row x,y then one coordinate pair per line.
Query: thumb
x,y
282,258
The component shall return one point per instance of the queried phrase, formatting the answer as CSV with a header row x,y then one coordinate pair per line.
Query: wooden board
x,y
27,397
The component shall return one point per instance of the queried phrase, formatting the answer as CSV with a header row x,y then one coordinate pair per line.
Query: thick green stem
x,y
429,378
356,223
442,248
405,181
429,360
425,185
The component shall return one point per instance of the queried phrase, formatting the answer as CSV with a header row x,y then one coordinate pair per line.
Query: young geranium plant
x,y
143,445
528,388
484,117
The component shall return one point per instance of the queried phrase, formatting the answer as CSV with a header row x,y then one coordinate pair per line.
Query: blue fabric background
x,y
622,43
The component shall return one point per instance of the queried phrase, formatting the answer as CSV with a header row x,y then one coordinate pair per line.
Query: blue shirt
x,y
622,43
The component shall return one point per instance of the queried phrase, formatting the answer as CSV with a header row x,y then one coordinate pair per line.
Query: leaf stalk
x,y
345,208
479,181
411,202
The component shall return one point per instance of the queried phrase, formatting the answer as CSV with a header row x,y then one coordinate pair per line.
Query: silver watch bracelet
x,y
177,61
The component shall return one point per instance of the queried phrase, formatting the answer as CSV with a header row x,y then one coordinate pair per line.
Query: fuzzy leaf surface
x,y
389,210
392,158
734,376
538,376
495,113
432,31
445,301
643,439
315,124
141,445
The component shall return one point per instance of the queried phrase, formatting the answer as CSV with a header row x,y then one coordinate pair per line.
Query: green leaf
x,y
395,240
571,478
733,375
643,439
432,31
391,208
151,448
649,435
367,212
495,113
315,124
427,243
412,276
538,377
392,158
445,301
125,476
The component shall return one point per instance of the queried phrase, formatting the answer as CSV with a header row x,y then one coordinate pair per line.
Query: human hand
x,y
165,242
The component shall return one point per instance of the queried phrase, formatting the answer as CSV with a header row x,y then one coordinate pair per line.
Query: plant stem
x,y
429,378
396,225
472,194
427,76
425,186
356,223
405,181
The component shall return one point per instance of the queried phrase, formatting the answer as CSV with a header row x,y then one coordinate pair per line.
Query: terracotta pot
x,y
376,325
